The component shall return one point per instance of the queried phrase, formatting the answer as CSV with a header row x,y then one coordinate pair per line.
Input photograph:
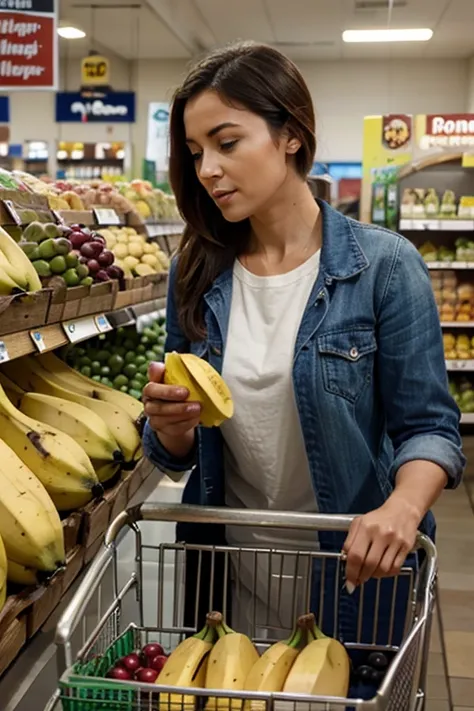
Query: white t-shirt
x,y
266,464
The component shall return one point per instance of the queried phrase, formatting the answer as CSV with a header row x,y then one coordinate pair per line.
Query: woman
x,y
325,330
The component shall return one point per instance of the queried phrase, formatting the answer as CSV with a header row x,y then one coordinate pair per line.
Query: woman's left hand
x,y
379,542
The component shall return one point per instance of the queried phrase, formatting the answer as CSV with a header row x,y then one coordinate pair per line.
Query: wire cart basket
x,y
122,605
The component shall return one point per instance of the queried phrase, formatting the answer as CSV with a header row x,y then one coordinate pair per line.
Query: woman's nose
x,y
209,166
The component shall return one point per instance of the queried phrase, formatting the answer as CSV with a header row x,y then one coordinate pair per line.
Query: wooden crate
x,y
100,299
22,312
26,612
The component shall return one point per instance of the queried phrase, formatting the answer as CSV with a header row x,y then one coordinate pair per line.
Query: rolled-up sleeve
x,y
175,341
422,417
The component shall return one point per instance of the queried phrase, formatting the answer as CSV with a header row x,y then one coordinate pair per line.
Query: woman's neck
x,y
285,233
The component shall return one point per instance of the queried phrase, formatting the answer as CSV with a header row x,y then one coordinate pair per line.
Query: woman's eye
x,y
228,145
196,156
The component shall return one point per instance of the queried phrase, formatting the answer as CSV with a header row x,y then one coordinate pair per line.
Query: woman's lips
x,y
224,197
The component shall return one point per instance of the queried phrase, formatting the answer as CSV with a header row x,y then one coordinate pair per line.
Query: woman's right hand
x,y
169,415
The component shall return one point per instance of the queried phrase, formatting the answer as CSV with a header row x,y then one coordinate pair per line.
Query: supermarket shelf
x,y
457,365
164,228
457,324
436,225
450,265
467,418
56,335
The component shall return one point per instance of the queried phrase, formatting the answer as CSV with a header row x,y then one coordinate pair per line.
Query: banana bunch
x,y
16,271
117,430
230,662
322,668
187,666
205,386
30,527
58,461
3,575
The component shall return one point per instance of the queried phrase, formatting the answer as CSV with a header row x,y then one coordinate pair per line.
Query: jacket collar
x,y
341,254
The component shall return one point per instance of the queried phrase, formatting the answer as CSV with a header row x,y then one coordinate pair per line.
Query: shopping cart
x,y
120,606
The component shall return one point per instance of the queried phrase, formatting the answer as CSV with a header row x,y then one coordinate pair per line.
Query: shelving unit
x,y
436,225
457,266
48,338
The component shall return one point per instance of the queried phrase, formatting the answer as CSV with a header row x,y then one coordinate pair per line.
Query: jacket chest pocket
x,y
347,361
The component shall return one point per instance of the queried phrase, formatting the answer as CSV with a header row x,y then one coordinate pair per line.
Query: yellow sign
x,y
95,71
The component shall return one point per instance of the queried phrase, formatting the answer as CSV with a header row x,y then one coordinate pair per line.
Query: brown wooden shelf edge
x,y
16,345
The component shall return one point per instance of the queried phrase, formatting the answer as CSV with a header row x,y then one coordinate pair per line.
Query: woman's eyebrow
x,y
215,130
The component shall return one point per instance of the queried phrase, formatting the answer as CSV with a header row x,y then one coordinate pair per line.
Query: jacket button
x,y
354,353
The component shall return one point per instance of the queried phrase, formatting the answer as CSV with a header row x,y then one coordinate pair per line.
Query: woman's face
x,y
237,160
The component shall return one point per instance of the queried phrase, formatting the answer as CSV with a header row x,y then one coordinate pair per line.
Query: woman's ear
x,y
293,146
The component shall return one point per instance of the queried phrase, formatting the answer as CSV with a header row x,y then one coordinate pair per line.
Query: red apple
x,y
106,258
77,239
119,673
91,250
115,272
158,662
147,676
153,650
98,238
93,265
131,662
102,275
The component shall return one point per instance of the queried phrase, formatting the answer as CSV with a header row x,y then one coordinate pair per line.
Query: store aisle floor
x,y
451,668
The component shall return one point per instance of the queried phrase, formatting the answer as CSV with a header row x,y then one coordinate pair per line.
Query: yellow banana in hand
x,y
322,668
187,666
229,665
205,386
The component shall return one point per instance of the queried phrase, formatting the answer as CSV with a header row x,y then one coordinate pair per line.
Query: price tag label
x,y
10,208
4,357
102,323
80,329
37,338
106,216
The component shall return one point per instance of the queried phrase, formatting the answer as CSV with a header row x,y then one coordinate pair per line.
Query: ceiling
x,y
304,29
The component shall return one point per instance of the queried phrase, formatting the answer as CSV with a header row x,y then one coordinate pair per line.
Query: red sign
x,y
28,46
450,125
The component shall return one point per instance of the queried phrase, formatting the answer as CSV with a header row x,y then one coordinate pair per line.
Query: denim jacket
x,y
369,375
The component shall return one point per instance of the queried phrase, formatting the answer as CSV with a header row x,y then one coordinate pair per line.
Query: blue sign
x,y
117,107
4,109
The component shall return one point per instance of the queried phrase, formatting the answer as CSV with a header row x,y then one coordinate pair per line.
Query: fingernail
x,y
350,587
194,407
182,392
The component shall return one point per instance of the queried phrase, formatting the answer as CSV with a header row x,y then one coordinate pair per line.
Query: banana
x,y
28,373
105,470
86,427
29,523
215,409
322,668
85,386
187,666
22,574
3,575
270,671
14,393
7,284
54,457
229,665
21,269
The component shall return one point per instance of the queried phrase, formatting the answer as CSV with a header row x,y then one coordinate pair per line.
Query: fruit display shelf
x,y
26,611
467,418
457,266
56,335
436,225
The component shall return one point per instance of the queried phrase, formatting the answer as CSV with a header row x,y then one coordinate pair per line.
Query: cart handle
x,y
183,513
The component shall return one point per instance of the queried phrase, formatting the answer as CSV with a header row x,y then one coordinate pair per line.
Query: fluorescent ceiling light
x,y
71,33
422,35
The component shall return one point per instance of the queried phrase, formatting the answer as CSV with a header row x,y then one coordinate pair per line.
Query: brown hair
x,y
267,83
